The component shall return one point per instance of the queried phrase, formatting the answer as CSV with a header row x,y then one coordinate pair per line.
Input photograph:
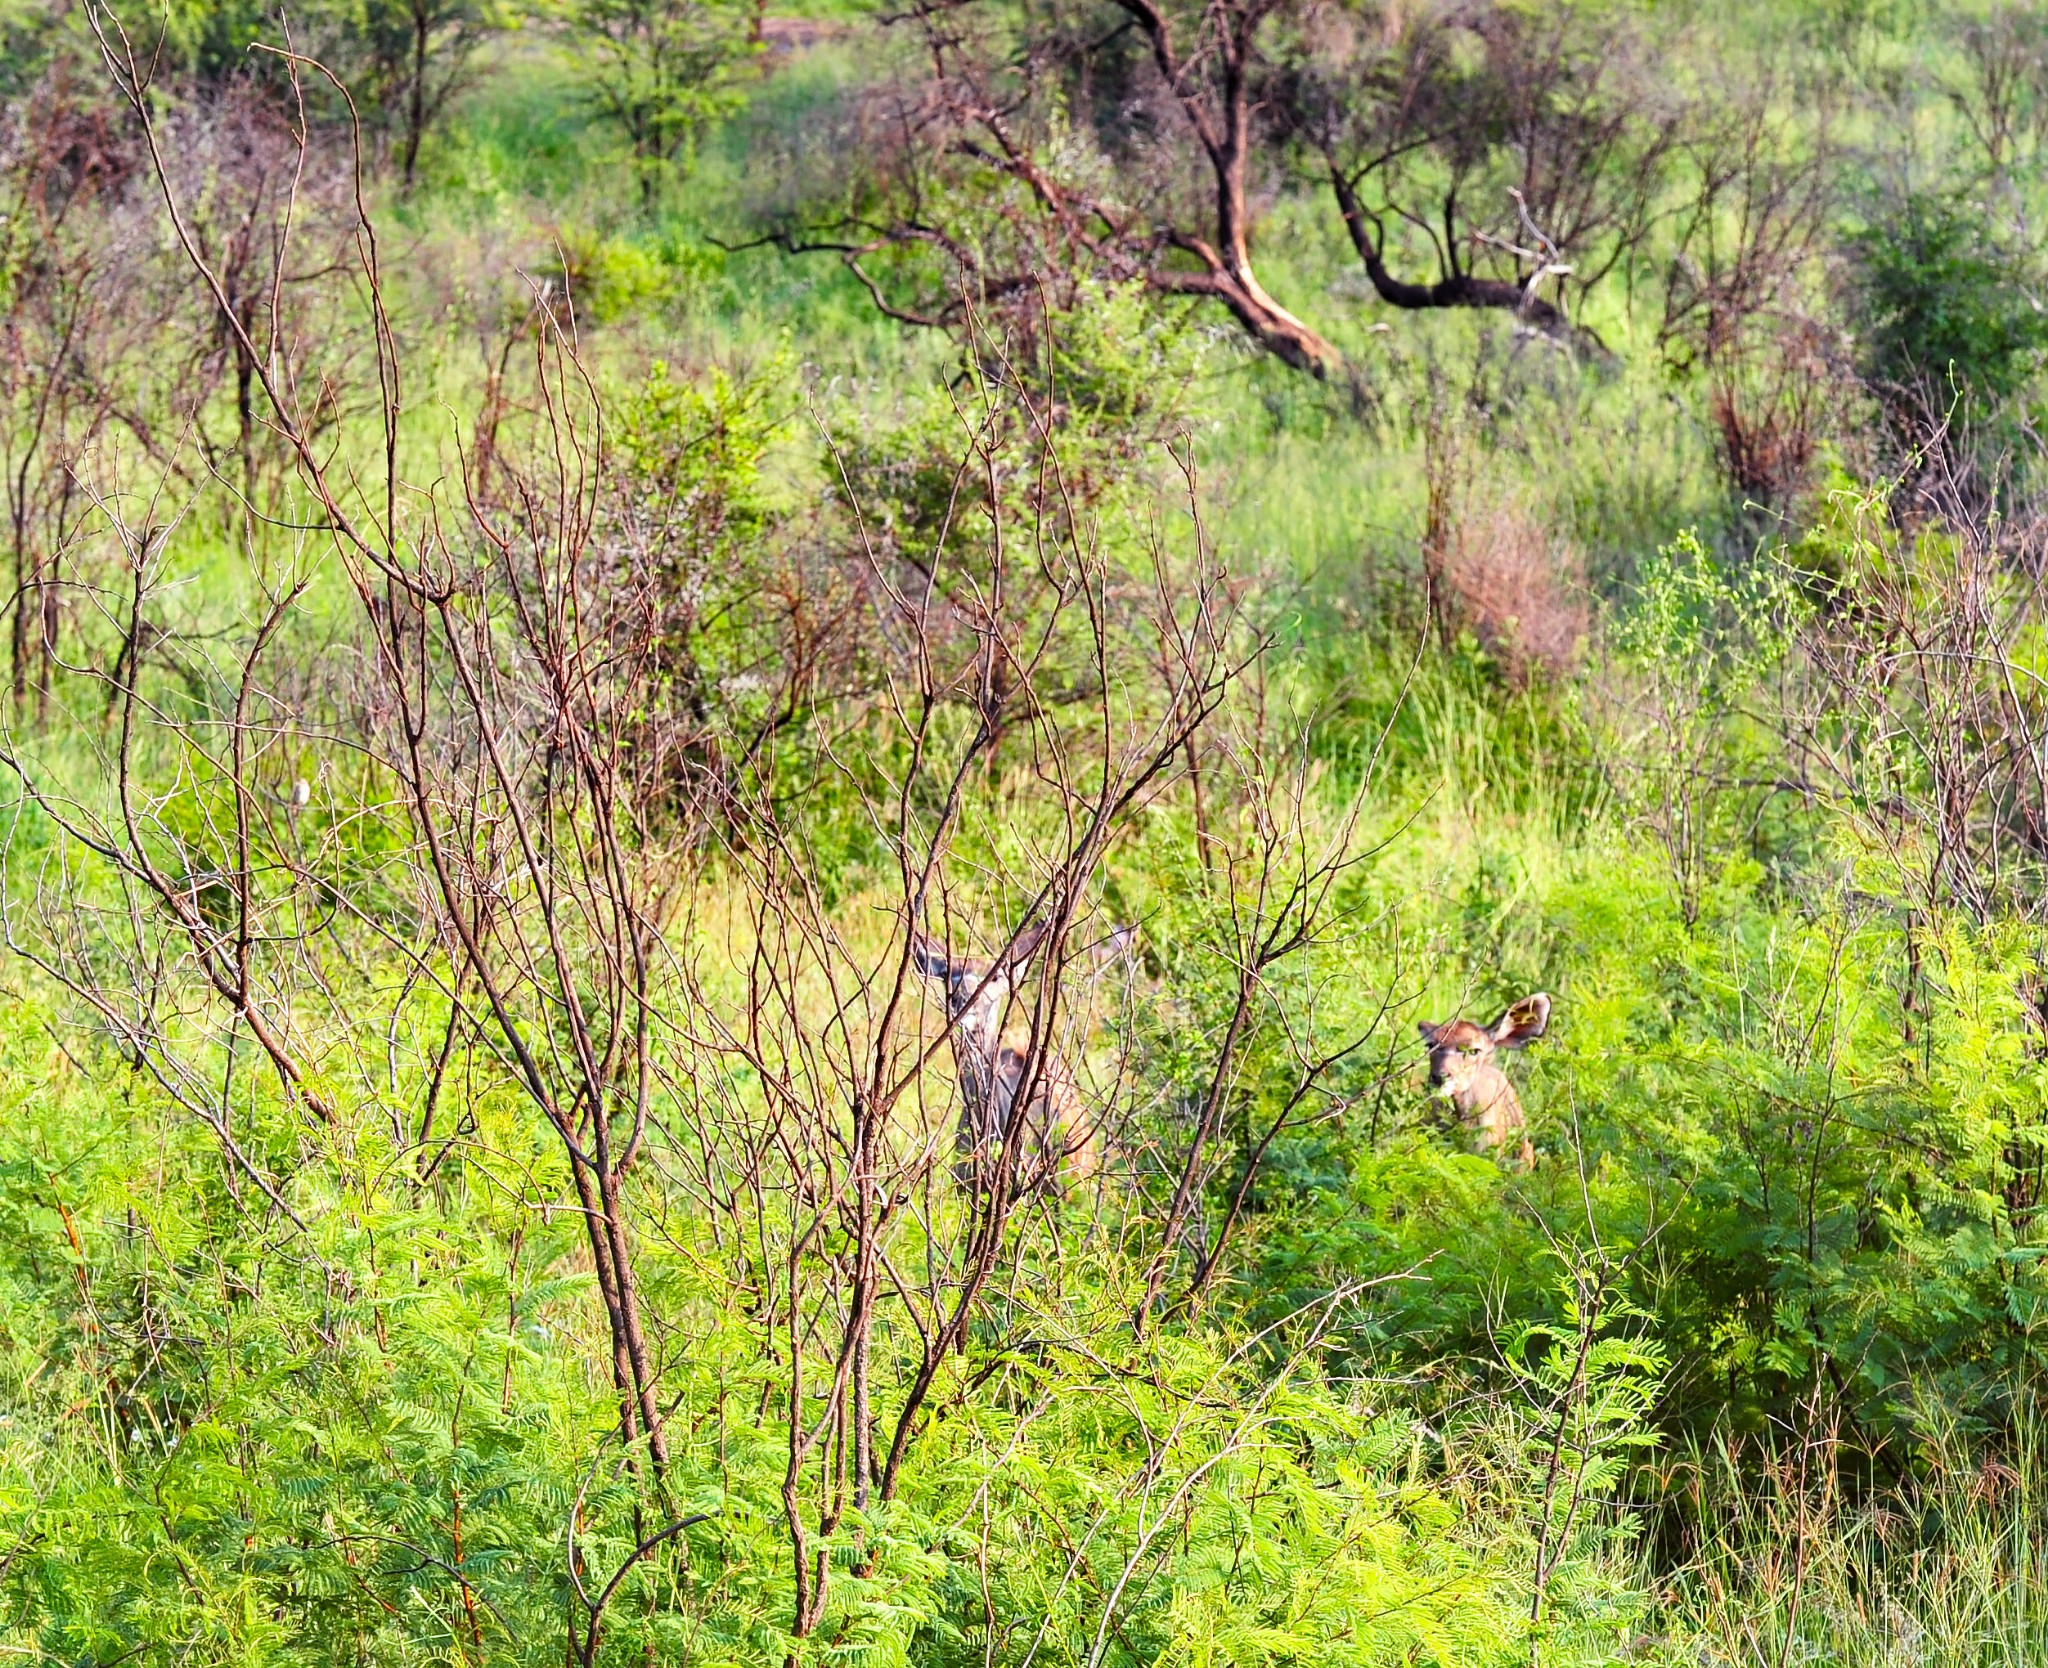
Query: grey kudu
x,y
1057,1143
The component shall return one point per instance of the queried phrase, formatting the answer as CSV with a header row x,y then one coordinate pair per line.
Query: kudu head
x,y
1464,1070
1053,1132
976,991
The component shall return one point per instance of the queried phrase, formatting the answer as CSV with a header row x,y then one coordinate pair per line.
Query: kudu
x,y
1056,1142
1462,1070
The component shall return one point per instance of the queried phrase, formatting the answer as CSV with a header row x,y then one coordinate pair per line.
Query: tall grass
x,y
1788,1557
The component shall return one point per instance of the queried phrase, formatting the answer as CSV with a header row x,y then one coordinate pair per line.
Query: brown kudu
x,y
1462,1069
1058,1145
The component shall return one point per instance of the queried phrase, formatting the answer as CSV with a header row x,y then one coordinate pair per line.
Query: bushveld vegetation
x,y
745,749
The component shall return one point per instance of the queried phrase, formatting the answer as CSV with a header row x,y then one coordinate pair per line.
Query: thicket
x,y
715,957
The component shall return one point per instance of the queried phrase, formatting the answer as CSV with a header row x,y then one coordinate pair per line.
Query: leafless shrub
x,y
73,317
1739,305
489,728
1523,148
464,836
1922,723
1494,568
976,190
2002,92
1773,407
244,186
1519,588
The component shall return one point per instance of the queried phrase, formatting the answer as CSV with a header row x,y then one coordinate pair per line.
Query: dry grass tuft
x,y
1518,588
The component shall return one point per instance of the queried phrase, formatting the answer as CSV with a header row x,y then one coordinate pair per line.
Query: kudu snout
x,y
1464,1070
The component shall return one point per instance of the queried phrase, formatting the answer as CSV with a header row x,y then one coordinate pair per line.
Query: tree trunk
x,y
416,102
27,609
1223,128
1459,289
1268,323
1272,325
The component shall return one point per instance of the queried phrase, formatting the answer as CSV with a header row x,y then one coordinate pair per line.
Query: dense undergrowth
x,y
537,724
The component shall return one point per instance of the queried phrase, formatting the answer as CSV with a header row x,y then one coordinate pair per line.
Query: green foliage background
x,y
1775,1280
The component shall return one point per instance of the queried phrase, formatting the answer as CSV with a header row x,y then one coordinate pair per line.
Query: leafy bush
x,y
659,71
1941,294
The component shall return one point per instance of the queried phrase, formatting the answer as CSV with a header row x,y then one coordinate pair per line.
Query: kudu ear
x,y
929,956
1025,945
1523,1023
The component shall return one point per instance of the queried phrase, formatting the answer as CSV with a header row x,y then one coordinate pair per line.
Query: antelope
x,y
1462,1071
1057,1142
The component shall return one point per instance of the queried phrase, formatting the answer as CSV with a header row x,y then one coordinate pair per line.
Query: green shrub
x,y
1942,297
